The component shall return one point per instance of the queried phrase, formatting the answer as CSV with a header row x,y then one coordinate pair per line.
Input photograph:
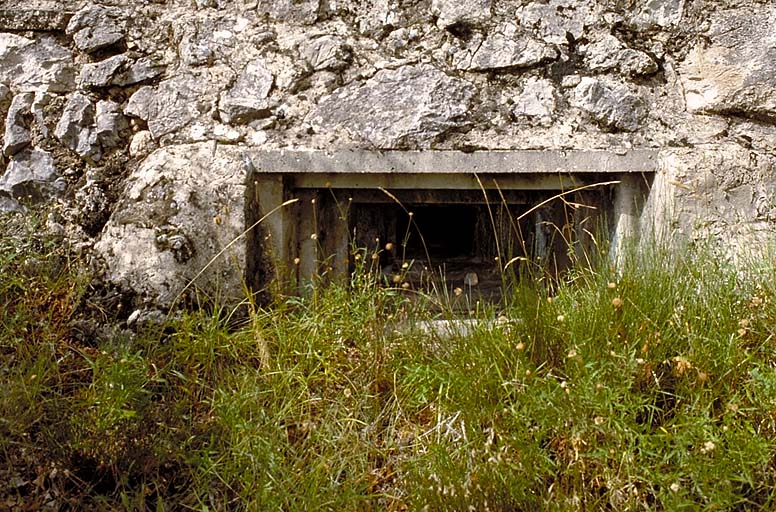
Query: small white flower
x,y
708,446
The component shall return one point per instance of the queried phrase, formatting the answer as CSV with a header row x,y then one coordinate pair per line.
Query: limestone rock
x,y
555,21
49,20
88,129
506,47
171,105
94,27
461,12
139,71
182,207
101,74
118,70
142,144
326,52
74,129
28,65
378,18
536,102
736,71
109,125
613,106
407,107
608,54
247,98
290,11
9,204
31,177
658,14
17,124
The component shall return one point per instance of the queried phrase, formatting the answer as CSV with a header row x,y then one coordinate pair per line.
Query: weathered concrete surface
x,y
735,71
721,197
453,162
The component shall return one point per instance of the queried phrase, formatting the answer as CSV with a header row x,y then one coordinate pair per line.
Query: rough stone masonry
x,y
136,119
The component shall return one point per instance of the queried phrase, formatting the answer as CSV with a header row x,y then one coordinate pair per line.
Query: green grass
x,y
653,388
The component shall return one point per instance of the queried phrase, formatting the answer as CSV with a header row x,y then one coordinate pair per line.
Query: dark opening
x,y
447,230
458,240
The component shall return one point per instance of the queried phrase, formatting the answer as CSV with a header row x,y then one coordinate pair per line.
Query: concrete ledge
x,y
450,162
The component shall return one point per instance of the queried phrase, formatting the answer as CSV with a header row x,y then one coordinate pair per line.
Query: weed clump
x,y
647,387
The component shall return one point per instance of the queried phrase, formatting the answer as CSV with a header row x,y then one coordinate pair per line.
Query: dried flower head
x,y
682,365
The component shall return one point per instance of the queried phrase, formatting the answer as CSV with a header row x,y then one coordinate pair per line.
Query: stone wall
x,y
135,117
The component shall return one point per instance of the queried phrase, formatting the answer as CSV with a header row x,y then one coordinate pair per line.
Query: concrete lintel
x,y
432,181
293,161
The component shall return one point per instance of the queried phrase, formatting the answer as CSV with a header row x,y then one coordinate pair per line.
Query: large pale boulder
x,y
536,102
735,72
118,70
181,210
325,52
407,107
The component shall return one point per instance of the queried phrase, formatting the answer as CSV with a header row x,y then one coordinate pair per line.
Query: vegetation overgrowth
x,y
652,387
